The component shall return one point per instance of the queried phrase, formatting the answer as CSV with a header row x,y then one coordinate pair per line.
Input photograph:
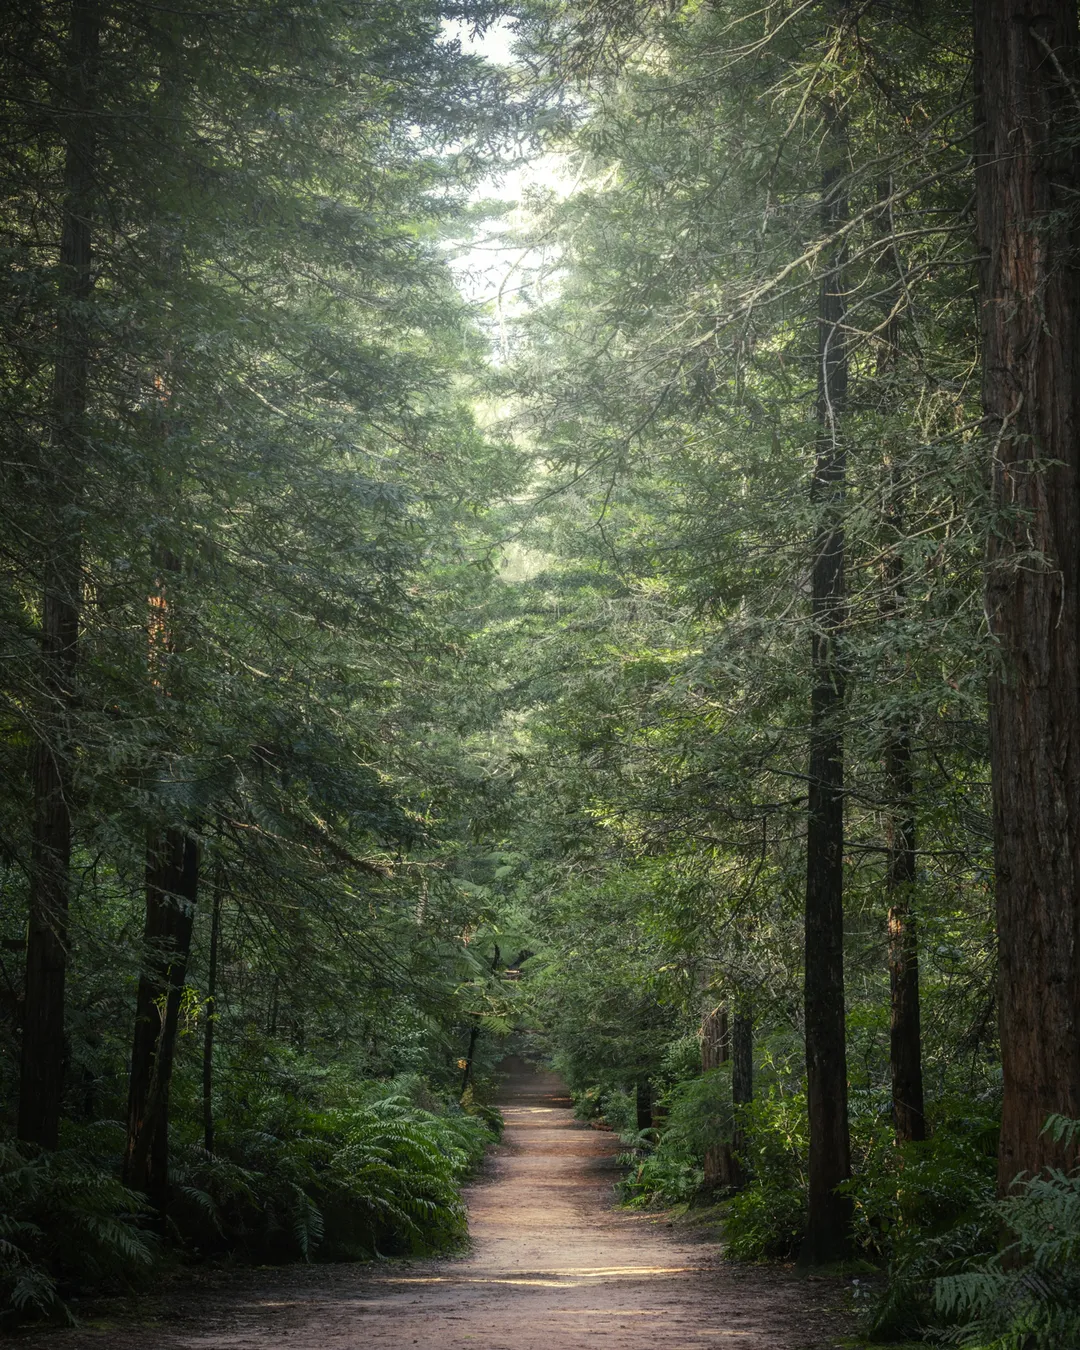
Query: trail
x,y
552,1266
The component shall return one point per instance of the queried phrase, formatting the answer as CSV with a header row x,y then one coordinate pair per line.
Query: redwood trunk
x,y
211,1015
722,1171
43,1048
466,1071
172,890
905,1019
905,1022
1027,175
742,1083
172,880
829,1215
643,1105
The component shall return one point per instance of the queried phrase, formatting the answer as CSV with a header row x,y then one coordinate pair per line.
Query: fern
x,y
1027,1296
375,1172
61,1215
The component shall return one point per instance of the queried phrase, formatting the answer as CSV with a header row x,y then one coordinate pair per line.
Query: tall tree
x,y
905,1014
828,1218
719,1044
172,879
43,1050
1027,175
905,1017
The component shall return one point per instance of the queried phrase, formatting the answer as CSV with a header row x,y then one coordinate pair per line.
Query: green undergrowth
x,y
1007,1278
937,1259
64,1220
308,1164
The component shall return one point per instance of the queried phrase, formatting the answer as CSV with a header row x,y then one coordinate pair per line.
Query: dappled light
x,y
539,648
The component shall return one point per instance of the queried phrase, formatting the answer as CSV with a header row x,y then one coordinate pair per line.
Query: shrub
x,y
659,1178
321,1165
666,1167
924,1208
309,1162
64,1222
766,1221
1026,1296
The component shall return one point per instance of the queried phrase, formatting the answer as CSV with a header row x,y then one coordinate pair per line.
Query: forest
x,y
553,527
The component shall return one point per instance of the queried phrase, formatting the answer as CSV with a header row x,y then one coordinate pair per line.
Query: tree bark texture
x,y
742,1080
828,1219
211,1013
1027,176
905,1014
172,882
43,1047
905,1026
720,1166
466,1069
474,1033
643,1105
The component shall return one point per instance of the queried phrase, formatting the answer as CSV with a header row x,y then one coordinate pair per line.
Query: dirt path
x,y
552,1267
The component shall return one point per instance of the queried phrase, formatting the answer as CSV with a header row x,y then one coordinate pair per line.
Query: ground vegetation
x,y
680,686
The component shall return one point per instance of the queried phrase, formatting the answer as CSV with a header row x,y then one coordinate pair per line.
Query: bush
x,y
903,1195
64,1222
659,1178
1027,1296
924,1208
667,1166
308,1162
319,1164
766,1221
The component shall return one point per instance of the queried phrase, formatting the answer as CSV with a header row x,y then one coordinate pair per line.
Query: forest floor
x,y
552,1265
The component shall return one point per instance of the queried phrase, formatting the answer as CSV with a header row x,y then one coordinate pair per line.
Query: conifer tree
x,y
63,469
1029,301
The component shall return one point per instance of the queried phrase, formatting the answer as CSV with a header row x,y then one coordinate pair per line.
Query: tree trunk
x,y
474,1034
905,1032
172,890
1027,175
721,1170
466,1068
643,1112
172,883
829,1216
43,1048
742,1083
211,1014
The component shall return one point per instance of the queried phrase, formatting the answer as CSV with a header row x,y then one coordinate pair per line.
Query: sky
x,y
490,271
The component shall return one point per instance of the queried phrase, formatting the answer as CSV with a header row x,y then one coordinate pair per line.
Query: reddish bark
x,y
211,1012
1027,176
742,1079
172,880
905,1014
719,1164
724,1040
905,1030
172,892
